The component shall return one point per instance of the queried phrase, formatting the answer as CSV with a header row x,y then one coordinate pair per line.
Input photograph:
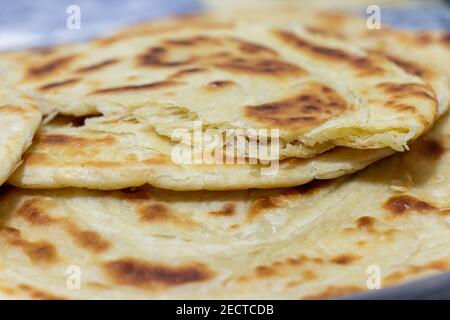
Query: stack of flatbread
x,y
94,204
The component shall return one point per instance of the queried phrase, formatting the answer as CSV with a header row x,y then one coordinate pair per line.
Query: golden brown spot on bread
x,y
140,87
253,48
37,293
186,72
258,206
437,265
325,32
345,259
399,90
193,41
67,140
58,84
8,108
365,222
87,239
161,213
34,210
277,267
51,67
140,273
154,213
157,57
273,68
228,209
404,203
97,66
39,252
265,271
330,54
408,66
312,106
33,158
335,291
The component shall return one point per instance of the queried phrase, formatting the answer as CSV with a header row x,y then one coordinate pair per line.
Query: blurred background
x,y
30,23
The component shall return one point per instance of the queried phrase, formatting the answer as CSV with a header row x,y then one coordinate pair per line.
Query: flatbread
x,y
320,240
19,119
318,92
110,153
127,143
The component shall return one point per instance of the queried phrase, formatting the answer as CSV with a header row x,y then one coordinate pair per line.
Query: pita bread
x,y
19,119
318,92
319,240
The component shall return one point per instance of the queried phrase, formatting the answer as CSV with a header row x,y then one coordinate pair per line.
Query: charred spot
x,y
363,63
140,273
67,140
398,90
186,72
432,149
97,66
265,271
89,240
58,84
365,222
252,48
157,57
260,205
193,41
265,67
55,139
161,213
51,67
228,209
34,211
408,66
140,87
219,84
313,106
345,259
92,240
405,203
39,252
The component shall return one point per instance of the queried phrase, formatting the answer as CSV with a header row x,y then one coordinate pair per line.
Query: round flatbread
x,y
318,92
329,100
380,227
